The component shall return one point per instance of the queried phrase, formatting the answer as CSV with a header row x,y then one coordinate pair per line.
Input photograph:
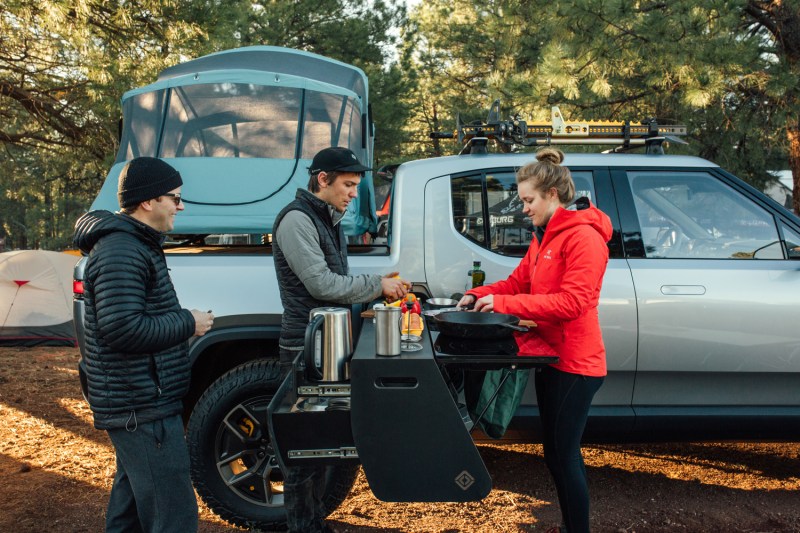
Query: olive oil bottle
x,y
476,276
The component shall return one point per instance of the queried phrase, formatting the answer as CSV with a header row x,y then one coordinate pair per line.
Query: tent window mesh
x,y
238,120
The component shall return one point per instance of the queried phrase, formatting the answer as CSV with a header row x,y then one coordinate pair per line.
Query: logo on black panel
x,y
464,480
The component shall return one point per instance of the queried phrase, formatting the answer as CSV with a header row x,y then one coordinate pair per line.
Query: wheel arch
x,y
222,349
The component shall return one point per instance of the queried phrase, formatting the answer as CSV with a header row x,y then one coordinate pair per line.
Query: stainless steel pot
x,y
438,303
328,344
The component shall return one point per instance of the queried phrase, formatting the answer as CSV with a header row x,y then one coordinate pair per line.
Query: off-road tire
x,y
252,383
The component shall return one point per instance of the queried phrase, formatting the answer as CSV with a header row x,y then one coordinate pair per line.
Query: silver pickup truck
x,y
699,306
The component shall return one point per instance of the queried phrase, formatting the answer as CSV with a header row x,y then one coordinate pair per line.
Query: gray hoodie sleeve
x,y
299,241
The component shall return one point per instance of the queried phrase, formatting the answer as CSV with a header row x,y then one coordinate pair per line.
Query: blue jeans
x,y
564,401
152,490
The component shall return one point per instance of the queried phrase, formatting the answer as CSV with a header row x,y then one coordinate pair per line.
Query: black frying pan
x,y
474,325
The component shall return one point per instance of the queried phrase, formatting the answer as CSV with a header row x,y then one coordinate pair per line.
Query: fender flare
x,y
233,333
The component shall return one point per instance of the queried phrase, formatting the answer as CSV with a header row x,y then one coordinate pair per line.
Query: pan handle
x,y
523,329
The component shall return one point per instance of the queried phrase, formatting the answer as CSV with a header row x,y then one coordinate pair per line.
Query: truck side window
x,y
791,241
694,215
509,229
506,230
468,219
584,185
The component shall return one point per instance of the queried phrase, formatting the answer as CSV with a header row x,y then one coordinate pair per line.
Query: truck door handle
x,y
687,290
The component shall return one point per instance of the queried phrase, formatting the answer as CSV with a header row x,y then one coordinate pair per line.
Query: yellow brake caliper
x,y
247,426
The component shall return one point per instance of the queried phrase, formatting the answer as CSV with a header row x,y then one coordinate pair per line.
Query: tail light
x,y
77,289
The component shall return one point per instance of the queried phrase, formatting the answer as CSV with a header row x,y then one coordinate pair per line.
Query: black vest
x,y
297,301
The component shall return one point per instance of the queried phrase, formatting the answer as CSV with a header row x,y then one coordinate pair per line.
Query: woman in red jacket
x,y
557,285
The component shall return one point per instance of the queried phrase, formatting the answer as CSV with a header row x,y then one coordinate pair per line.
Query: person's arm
x,y
120,287
299,241
518,282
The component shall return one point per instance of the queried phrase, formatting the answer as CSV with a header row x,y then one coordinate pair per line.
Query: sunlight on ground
x,y
42,444
78,408
67,370
687,462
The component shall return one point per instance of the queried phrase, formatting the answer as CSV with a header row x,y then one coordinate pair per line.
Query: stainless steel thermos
x,y
388,323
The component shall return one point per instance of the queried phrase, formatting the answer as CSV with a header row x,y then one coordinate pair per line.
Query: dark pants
x,y
303,492
303,487
152,490
564,401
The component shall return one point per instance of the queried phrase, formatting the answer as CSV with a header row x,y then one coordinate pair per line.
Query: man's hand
x,y
393,287
202,322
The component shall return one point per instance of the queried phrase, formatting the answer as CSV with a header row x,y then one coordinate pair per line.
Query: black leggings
x,y
564,401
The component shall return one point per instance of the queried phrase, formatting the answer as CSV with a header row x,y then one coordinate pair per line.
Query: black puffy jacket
x,y
135,358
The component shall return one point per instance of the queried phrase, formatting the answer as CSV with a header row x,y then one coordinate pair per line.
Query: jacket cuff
x,y
190,323
499,303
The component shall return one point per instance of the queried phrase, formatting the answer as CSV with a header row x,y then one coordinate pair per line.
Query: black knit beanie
x,y
145,178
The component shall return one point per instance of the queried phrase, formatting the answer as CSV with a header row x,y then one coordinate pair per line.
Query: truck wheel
x,y
234,467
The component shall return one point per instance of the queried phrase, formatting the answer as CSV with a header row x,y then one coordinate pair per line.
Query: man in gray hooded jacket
x,y
310,251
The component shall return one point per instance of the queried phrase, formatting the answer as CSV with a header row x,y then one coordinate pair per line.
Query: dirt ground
x,y
56,472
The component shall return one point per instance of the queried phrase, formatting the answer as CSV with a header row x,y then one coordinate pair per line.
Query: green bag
x,y
499,414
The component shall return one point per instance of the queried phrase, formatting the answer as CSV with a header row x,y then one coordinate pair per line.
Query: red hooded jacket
x,y
557,285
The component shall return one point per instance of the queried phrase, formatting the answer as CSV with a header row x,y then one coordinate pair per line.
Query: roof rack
x,y
515,132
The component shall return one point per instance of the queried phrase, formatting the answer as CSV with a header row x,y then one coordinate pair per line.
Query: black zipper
x,y
154,374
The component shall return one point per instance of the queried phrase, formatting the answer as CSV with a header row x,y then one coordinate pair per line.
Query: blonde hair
x,y
547,173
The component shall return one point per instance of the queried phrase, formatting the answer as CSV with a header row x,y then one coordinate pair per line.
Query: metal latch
x,y
342,389
561,128
334,453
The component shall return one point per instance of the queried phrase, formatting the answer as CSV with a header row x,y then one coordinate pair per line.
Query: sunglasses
x,y
175,197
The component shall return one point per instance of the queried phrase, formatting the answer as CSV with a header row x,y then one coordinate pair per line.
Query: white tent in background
x,y
36,298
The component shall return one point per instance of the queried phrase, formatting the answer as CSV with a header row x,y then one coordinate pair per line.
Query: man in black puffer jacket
x,y
136,358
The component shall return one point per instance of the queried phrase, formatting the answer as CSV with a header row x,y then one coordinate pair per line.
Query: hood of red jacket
x,y
585,214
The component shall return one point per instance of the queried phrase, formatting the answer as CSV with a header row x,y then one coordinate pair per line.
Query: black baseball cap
x,y
336,159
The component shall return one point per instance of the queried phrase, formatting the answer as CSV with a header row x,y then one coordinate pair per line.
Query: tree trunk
x,y
781,18
793,133
437,145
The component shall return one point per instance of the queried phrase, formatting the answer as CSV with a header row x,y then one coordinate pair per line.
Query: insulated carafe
x,y
388,323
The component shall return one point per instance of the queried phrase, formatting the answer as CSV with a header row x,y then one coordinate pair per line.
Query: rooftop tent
x,y
36,298
242,126
275,59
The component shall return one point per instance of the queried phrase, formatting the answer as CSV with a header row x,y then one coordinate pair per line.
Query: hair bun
x,y
550,155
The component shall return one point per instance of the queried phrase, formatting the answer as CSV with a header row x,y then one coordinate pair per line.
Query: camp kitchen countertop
x,y
407,426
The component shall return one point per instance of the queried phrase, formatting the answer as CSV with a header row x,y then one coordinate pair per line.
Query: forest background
x,y
727,69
